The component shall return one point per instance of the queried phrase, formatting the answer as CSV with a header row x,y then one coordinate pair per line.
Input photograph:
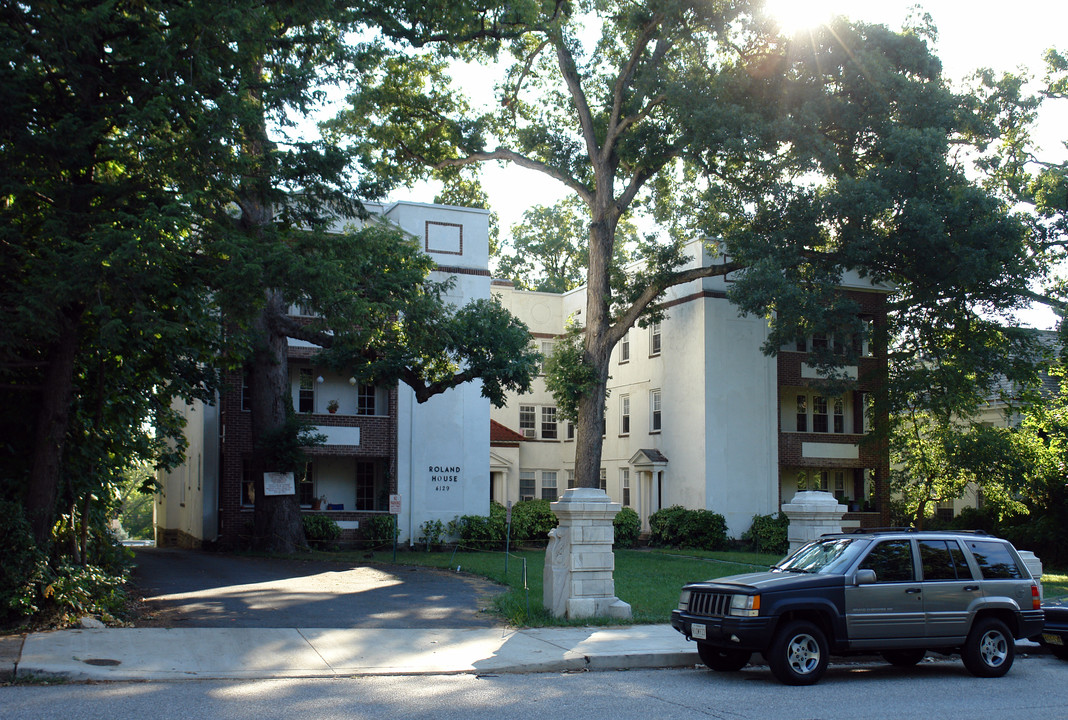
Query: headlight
x,y
684,600
745,605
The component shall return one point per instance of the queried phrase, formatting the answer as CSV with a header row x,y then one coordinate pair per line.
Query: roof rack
x,y
872,531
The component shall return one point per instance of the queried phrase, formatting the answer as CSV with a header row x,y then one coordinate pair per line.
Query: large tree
x,y
150,181
272,213
803,157
105,323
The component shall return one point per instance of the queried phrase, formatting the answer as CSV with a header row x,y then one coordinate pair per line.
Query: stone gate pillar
x,y
579,561
812,513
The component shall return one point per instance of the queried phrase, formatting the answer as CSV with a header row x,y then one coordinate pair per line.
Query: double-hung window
x,y
654,411
624,414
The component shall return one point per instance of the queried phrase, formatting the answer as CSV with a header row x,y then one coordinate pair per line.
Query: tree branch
x,y
518,159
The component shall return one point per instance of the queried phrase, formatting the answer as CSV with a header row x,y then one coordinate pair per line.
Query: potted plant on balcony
x,y
332,406
317,503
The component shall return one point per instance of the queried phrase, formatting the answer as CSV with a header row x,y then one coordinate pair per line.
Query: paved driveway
x,y
185,588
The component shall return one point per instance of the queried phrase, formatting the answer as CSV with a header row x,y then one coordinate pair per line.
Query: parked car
x,y
898,593
1055,631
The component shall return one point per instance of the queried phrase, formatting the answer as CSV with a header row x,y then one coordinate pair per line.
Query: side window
x,y
891,560
994,560
943,560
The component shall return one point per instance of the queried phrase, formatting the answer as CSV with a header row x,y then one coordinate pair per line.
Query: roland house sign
x,y
445,487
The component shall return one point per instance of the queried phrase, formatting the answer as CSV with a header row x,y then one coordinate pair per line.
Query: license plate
x,y
697,632
1052,639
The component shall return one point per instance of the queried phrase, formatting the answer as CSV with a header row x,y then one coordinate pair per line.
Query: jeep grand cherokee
x,y
898,593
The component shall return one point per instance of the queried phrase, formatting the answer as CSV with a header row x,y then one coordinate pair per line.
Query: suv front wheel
x,y
798,654
989,649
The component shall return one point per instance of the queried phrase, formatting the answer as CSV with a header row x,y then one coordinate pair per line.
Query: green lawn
x,y
649,580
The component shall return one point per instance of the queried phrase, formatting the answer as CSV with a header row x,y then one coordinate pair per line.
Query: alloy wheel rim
x,y
803,653
993,648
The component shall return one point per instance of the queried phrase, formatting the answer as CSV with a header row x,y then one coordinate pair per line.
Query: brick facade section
x,y
378,441
871,379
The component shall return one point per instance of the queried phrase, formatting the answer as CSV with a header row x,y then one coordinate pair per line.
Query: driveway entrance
x,y
185,588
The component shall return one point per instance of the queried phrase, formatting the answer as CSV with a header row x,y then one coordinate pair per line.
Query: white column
x,y
579,561
812,513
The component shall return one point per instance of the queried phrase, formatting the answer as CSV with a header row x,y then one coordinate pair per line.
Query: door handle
x,y
971,588
912,591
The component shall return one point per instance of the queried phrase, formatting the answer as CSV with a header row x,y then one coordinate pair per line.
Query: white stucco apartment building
x,y
697,415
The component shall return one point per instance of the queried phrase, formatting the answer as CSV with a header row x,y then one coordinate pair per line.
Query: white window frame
x,y
624,484
531,476
656,415
528,421
624,414
549,481
656,339
624,348
550,423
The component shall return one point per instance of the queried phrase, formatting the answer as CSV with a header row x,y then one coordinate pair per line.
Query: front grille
x,y
710,604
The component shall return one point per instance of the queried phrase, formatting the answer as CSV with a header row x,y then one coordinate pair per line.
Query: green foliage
x,y
381,530
320,529
532,520
627,526
677,526
568,375
480,531
768,533
23,567
79,590
431,532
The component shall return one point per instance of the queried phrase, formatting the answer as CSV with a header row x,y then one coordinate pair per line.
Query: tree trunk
x,y
53,419
589,437
277,518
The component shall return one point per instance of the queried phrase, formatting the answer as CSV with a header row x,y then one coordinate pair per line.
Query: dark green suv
x,y
899,593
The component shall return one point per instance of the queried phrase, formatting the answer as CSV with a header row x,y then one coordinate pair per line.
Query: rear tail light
x,y
1036,601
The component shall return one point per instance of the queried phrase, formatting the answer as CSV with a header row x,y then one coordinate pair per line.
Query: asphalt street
x,y
939,689
190,589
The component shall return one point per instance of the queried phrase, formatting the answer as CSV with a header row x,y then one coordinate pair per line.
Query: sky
x,y
1007,37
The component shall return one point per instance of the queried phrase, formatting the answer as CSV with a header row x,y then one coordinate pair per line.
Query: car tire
x,y
989,649
904,658
798,654
723,660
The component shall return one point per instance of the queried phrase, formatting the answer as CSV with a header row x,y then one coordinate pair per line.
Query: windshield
x,y
831,555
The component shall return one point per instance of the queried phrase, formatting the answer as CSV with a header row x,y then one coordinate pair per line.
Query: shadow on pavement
x,y
186,588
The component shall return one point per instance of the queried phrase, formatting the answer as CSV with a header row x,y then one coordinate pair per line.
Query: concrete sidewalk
x,y
114,654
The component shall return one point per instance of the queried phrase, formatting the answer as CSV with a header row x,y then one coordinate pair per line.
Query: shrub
x,y
78,590
23,566
480,531
665,526
532,520
432,533
676,526
380,530
768,533
320,530
628,526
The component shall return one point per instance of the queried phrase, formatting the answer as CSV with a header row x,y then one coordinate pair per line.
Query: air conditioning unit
x,y
530,432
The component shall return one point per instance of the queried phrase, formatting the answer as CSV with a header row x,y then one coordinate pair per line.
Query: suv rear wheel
x,y
723,660
798,654
989,649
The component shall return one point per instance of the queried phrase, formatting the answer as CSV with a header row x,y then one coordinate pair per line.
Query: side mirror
x,y
864,577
